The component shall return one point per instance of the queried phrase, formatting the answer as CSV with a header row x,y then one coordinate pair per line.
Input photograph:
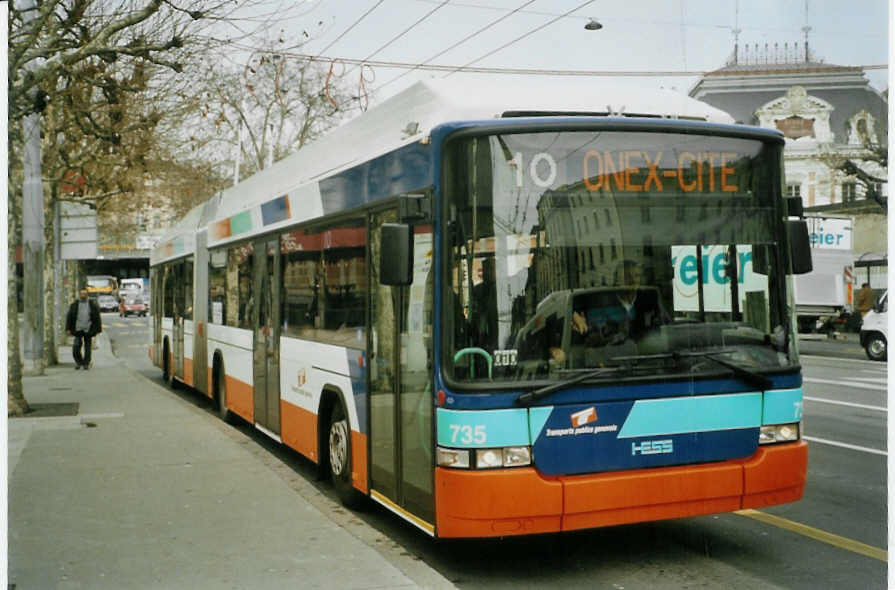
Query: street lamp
x,y
593,25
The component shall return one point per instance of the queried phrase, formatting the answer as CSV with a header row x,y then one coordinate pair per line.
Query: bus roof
x,y
407,118
180,239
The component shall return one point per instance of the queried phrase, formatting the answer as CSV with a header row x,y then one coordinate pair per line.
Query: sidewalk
x,y
140,489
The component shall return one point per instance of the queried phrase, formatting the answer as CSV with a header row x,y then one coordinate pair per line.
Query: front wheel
x,y
876,347
340,457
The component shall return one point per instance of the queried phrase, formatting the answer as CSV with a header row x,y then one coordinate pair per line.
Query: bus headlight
x,y
505,457
778,433
453,458
516,456
484,458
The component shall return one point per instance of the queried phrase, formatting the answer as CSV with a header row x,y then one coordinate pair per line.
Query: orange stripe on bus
x,y
188,371
775,474
359,461
495,503
241,398
298,429
504,502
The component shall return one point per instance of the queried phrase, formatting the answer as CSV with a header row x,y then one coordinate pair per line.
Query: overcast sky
x,y
637,35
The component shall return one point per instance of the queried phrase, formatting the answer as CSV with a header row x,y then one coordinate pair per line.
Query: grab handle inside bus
x,y
396,254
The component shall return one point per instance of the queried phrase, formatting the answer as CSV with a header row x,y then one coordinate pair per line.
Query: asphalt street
x,y
835,537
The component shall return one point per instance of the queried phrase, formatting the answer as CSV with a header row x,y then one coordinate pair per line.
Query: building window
x,y
793,190
849,192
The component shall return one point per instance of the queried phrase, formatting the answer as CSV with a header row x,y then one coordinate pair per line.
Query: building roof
x,y
755,76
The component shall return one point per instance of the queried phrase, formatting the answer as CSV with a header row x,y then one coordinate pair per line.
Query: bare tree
x,y
275,103
82,61
866,165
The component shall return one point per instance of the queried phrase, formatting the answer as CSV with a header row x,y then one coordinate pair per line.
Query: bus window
x,y
217,286
239,286
170,282
188,288
325,283
300,260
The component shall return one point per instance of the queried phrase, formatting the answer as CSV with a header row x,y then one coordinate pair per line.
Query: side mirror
x,y
396,254
799,246
414,208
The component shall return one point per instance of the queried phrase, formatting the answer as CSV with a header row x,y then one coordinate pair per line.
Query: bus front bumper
x,y
521,501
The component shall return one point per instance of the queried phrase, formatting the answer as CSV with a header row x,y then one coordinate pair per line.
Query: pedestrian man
x,y
83,322
864,299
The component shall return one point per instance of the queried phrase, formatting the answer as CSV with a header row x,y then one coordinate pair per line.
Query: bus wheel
x,y
340,457
220,394
166,364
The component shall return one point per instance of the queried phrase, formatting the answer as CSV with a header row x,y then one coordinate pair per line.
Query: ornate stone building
x,y
830,115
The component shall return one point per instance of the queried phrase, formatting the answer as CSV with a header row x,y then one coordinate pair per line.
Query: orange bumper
x,y
521,501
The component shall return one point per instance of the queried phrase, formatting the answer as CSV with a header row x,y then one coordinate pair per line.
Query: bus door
x,y
177,346
400,369
265,318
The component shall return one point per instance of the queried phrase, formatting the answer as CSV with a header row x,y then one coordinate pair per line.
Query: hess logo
x,y
652,447
584,417
302,378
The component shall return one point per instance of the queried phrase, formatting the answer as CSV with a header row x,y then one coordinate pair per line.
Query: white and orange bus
x,y
502,309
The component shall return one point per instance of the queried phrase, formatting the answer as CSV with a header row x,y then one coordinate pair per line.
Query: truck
x,y
826,293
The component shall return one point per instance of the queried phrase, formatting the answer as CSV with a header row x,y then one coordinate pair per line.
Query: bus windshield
x,y
652,253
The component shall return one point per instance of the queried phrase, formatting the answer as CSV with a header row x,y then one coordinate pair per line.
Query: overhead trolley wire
x,y
518,71
345,32
458,43
519,38
404,32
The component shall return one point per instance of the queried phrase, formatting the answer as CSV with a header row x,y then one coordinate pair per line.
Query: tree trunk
x,y
50,356
16,403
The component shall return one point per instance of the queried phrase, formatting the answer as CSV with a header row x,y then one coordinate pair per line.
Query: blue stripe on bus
x,y
357,363
783,406
679,415
275,210
482,429
459,400
400,171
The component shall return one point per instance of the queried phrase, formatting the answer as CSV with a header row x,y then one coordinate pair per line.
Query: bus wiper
x,y
533,396
750,377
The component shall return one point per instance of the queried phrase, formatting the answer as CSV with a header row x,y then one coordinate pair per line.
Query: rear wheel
x,y
876,347
340,457
166,363
220,394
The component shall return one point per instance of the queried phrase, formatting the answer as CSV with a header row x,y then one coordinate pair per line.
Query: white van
x,y
874,329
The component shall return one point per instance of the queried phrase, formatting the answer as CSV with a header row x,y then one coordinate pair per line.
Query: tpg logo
x,y
653,447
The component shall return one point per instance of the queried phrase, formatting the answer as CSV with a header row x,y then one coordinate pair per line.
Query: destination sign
x,y
636,163
640,171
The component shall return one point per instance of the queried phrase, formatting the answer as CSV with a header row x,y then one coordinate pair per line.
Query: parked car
x,y
107,302
874,330
132,305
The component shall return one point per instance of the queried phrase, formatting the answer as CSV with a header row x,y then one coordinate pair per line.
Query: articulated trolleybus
x,y
507,309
